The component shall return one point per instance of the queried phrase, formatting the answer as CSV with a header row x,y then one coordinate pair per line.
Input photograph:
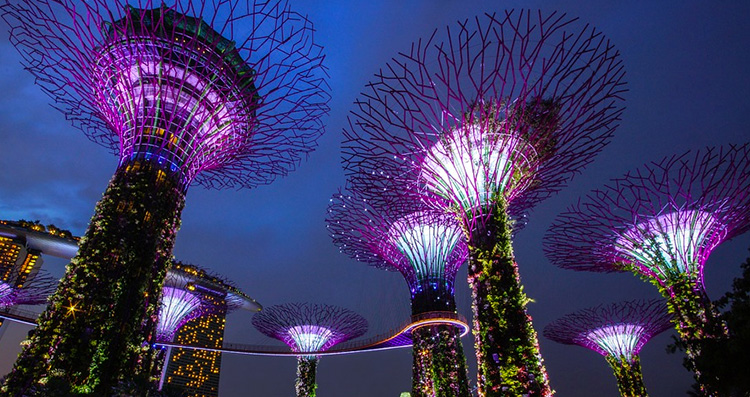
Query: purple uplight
x,y
619,330
424,245
674,243
308,328
178,306
35,291
197,97
470,166
662,220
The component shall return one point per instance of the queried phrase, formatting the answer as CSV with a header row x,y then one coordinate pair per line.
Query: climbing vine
x,y
508,358
305,384
97,331
629,375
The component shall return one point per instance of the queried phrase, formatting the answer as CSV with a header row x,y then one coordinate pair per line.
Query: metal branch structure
x,y
427,247
618,332
217,93
308,328
661,222
34,291
491,117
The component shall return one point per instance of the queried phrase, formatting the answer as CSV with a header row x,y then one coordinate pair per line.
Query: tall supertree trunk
x,y
305,384
117,277
696,321
506,345
629,376
439,363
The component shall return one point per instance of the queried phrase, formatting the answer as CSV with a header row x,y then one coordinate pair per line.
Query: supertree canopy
x,y
491,119
309,328
34,291
661,222
220,93
426,246
617,332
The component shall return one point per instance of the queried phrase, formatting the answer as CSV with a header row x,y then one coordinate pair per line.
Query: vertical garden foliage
x,y
697,322
108,298
439,363
508,358
305,384
629,376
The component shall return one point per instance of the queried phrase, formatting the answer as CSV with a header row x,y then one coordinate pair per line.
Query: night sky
x,y
687,73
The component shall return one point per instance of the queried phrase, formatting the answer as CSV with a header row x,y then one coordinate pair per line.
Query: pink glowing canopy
x,y
662,220
223,95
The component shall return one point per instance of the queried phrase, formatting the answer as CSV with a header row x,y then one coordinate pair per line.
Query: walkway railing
x,y
393,339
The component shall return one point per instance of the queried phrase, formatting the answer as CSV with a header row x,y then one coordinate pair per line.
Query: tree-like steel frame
x,y
308,328
426,246
617,331
661,222
167,89
493,116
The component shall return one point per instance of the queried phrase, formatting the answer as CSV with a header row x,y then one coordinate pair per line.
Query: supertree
x,y
309,328
491,120
190,293
166,88
426,246
661,222
34,291
618,332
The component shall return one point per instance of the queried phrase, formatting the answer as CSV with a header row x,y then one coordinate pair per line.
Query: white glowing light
x,y
620,340
178,306
309,338
673,243
474,166
426,245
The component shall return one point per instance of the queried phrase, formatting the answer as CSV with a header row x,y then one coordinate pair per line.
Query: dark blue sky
x,y
686,66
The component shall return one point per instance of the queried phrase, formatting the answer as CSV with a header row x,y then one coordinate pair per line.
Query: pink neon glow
x,y
671,244
309,338
471,166
620,340
178,306
201,118
425,242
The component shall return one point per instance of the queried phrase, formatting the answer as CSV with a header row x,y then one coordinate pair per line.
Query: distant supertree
x,y
181,103
309,328
34,292
618,332
492,120
189,293
661,222
427,247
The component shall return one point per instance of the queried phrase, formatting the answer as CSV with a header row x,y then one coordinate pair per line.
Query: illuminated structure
x,y
491,120
617,332
33,291
181,104
426,246
661,222
194,309
309,328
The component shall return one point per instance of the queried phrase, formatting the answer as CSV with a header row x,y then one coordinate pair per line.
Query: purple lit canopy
x,y
308,328
505,105
425,246
662,220
152,82
619,330
35,291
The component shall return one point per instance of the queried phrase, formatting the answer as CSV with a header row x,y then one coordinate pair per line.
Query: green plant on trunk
x,y
108,298
305,384
629,375
505,341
